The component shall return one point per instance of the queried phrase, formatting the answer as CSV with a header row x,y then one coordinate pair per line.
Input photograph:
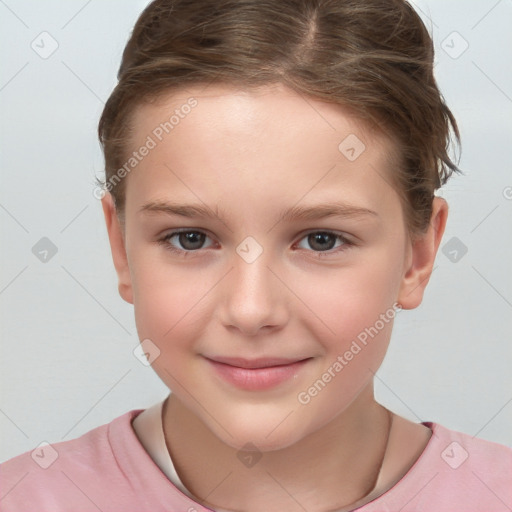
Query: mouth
x,y
256,374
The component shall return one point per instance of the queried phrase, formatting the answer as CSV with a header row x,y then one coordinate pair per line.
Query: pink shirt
x,y
108,470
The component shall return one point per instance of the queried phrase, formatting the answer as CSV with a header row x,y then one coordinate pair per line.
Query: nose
x,y
254,300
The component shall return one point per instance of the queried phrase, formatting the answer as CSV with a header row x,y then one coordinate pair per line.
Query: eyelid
x,y
346,241
344,236
177,231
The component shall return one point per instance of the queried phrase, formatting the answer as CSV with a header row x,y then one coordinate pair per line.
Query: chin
x,y
248,440
266,432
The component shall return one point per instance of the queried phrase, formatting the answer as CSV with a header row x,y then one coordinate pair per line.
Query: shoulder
x,y
460,450
474,471
455,472
68,472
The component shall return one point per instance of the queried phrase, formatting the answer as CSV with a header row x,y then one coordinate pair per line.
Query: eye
x,y
320,242
324,241
185,241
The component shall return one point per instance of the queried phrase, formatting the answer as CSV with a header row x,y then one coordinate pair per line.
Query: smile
x,y
256,374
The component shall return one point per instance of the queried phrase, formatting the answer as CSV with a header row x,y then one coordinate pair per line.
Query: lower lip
x,y
257,379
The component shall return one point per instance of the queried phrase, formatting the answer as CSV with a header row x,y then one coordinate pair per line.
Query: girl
x,y
269,200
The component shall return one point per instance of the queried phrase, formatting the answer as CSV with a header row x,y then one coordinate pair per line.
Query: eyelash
x,y
346,244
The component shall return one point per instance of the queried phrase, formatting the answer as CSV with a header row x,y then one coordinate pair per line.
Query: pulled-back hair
x,y
374,57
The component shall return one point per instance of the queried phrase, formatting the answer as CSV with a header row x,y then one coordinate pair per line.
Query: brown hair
x,y
374,57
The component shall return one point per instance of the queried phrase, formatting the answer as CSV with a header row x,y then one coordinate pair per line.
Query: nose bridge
x,y
254,296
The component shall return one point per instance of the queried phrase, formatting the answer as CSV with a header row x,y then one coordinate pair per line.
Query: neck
x,y
330,468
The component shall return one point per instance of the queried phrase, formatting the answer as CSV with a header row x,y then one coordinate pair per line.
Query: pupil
x,y
321,241
191,240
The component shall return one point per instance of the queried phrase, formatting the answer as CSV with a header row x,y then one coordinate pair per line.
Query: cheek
x,y
357,303
359,310
343,302
169,312
169,303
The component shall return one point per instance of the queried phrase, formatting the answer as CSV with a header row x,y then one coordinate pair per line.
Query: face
x,y
264,250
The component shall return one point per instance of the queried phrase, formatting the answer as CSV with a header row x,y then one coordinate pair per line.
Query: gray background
x,y
67,362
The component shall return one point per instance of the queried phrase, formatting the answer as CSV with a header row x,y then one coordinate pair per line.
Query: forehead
x,y
243,110
220,139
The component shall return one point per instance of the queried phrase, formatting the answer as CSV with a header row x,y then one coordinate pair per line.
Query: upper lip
x,y
263,362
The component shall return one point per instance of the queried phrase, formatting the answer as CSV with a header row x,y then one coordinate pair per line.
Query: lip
x,y
256,374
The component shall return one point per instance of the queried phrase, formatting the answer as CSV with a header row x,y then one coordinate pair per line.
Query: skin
x,y
249,155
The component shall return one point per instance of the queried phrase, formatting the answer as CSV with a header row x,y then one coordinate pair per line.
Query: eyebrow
x,y
294,213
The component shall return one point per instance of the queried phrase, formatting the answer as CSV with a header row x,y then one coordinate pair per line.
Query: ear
x,y
117,245
422,254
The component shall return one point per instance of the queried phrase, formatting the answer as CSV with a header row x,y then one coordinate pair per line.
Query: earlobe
x,y
117,246
422,256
